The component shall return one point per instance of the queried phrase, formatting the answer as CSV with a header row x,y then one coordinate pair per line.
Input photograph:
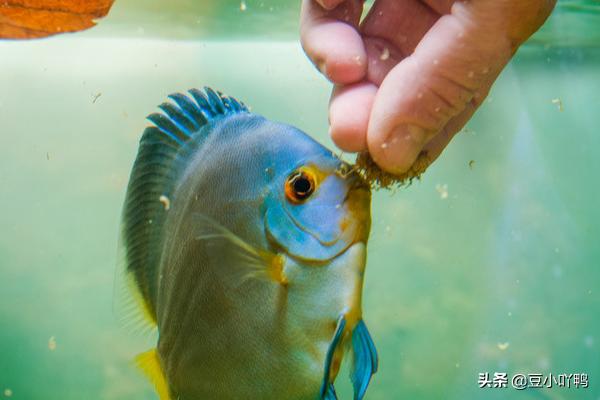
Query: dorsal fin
x,y
161,157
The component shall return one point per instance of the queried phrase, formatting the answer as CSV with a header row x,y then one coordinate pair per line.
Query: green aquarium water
x,y
489,264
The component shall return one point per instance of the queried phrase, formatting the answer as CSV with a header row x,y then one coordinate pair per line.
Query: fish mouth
x,y
358,203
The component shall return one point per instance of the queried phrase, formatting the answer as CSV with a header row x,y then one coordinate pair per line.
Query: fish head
x,y
318,206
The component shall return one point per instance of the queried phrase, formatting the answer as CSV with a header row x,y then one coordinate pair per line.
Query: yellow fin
x,y
149,363
129,305
140,303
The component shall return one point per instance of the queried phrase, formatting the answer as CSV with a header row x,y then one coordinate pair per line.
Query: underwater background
x,y
489,263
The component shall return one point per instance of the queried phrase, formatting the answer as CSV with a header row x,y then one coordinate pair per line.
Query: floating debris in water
x,y
52,343
8,392
442,190
243,6
95,97
165,202
380,179
503,346
469,131
558,103
471,164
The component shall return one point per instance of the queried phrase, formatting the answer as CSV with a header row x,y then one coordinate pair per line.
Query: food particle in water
x,y
442,190
503,346
52,343
165,202
558,103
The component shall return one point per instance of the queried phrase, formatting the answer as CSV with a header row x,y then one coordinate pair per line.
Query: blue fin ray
x,y
365,359
330,394
190,108
233,104
179,118
166,125
327,386
203,103
215,100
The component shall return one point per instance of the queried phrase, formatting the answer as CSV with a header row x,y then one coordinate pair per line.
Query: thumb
x,y
442,82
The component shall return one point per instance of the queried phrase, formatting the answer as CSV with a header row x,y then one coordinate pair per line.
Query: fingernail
x,y
402,146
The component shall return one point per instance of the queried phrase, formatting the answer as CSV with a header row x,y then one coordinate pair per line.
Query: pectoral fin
x,y
330,393
365,359
254,263
327,389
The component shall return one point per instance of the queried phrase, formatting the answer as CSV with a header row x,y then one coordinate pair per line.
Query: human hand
x,y
410,76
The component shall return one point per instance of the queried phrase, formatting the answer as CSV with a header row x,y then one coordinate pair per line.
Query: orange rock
x,y
28,19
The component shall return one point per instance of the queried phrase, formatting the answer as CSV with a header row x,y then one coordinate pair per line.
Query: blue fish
x,y
245,246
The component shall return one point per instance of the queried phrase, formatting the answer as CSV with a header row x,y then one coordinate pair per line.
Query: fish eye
x,y
299,186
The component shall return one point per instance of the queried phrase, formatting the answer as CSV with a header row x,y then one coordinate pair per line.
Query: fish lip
x,y
358,184
360,211
356,189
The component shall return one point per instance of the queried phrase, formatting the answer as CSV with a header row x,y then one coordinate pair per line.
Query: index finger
x,y
331,39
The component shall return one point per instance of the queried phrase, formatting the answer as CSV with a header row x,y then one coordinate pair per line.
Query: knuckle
x,y
448,97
